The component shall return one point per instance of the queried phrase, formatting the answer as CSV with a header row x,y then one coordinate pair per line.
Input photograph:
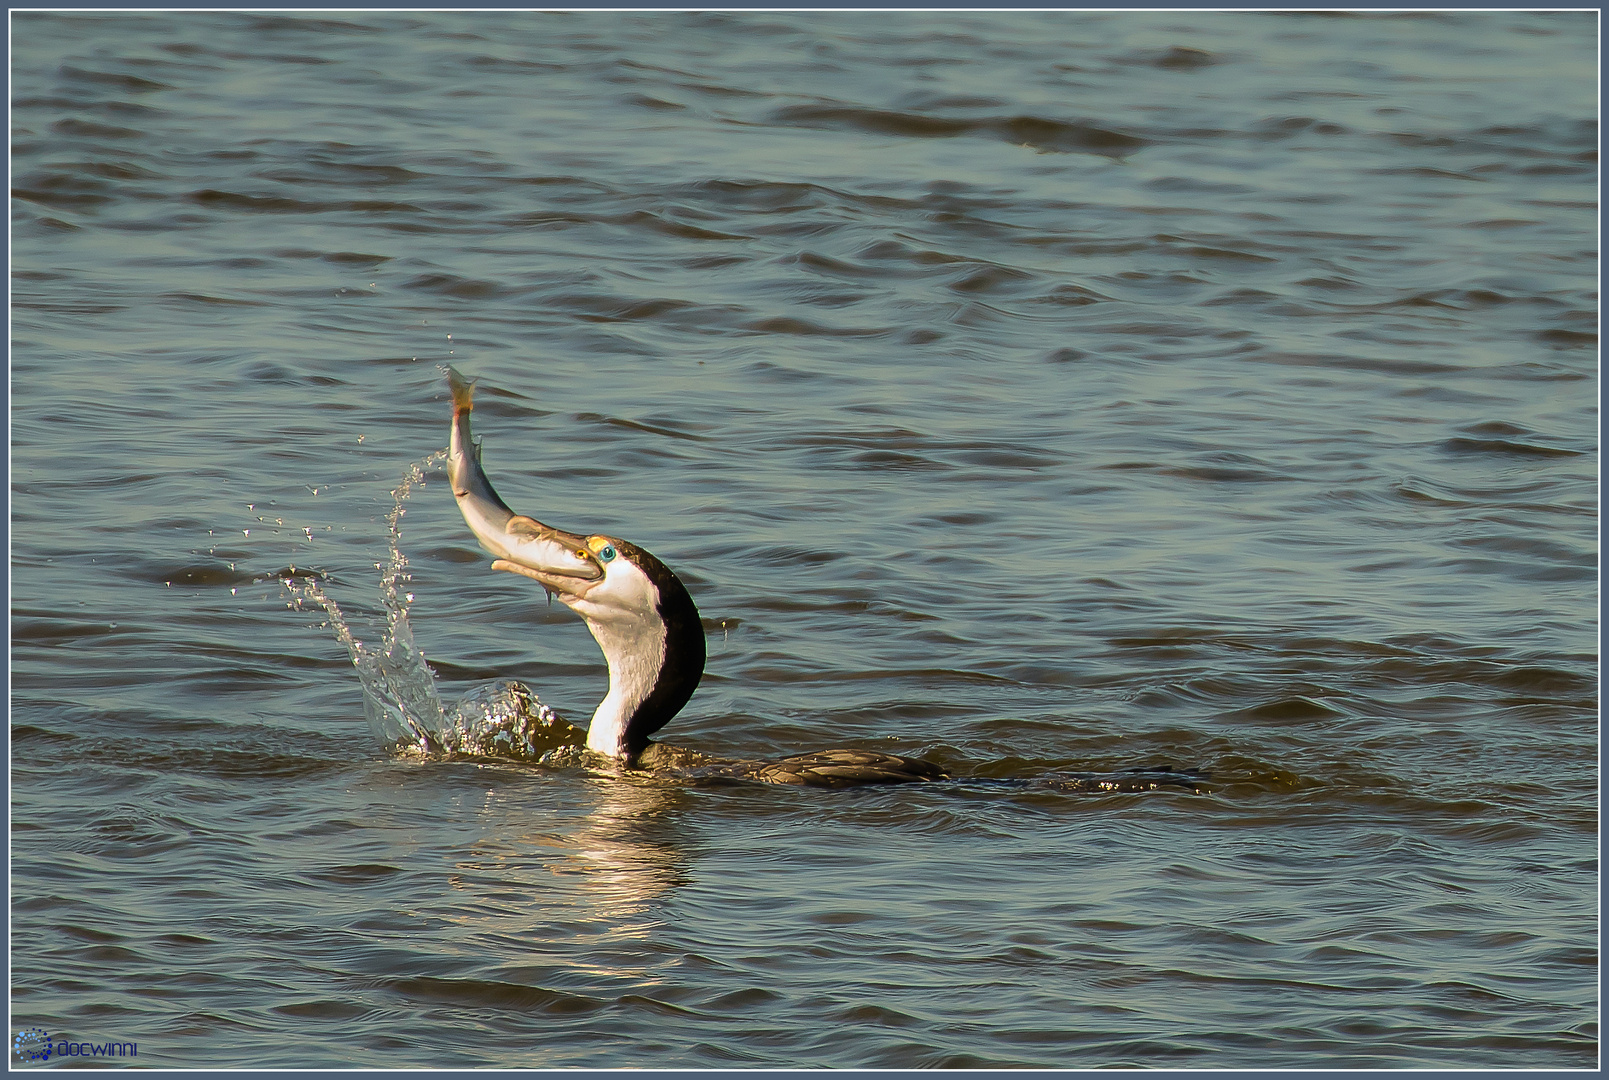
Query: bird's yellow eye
x,y
581,553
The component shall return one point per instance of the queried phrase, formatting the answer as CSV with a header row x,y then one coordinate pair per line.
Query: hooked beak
x,y
559,561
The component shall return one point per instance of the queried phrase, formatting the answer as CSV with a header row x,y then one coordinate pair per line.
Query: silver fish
x,y
563,562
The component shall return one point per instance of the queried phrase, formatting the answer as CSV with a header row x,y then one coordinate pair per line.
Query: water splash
x,y
399,689
503,719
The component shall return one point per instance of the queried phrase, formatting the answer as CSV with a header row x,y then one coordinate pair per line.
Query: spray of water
x,y
503,719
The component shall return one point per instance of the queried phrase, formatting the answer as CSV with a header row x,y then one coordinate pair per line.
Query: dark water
x,y
1038,393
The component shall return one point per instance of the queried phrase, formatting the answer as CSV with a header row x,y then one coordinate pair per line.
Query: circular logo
x,y
32,1044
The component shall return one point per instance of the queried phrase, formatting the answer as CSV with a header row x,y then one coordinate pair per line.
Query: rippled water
x,y
1037,393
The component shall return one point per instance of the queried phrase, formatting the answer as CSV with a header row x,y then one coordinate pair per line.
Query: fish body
x,y
520,544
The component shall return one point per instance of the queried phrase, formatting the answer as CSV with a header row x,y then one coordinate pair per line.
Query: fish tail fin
x,y
463,390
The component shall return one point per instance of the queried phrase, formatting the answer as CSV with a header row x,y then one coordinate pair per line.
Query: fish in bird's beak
x,y
562,562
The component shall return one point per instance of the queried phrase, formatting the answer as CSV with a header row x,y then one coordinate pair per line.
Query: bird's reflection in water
x,y
601,861
625,849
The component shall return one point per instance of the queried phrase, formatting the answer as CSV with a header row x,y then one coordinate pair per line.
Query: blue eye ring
x,y
606,553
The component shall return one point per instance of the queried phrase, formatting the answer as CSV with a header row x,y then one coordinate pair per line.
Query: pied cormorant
x,y
642,617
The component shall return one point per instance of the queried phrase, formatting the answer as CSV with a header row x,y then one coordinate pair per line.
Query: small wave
x,y
280,204
1570,339
662,428
1394,365
203,300
128,84
521,998
207,575
1289,710
787,324
1040,133
90,130
1462,445
1287,126
455,286
1218,474
1181,58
